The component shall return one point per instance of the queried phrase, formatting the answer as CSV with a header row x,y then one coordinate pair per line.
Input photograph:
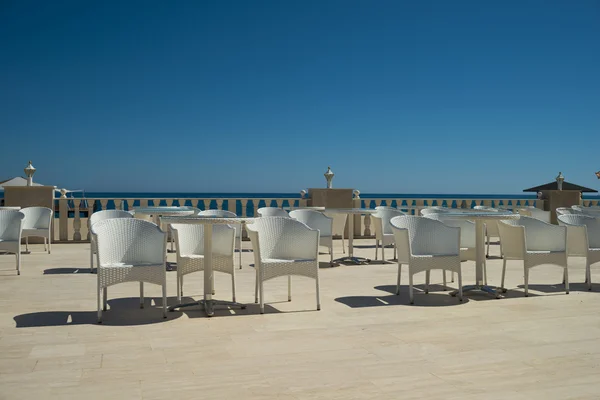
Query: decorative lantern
x,y
302,193
559,180
329,177
29,171
356,193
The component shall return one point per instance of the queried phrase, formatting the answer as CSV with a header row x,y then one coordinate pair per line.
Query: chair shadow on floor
x,y
435,298
559,287
127,312
68,270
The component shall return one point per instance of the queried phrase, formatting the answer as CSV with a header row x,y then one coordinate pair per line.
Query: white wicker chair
x,y
283,247
434,210
468,247
272,212
535,243
317,220
101,216
426,244
238,227
190,252
536,213
38,223
583,240
564,211
130,250
593,211
383,229
10,234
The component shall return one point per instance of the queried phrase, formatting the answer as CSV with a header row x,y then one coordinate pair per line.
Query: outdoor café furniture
x,y
425,244
536,213
191,255
350,213
583,240
564,210
207,302
38,223
129,250
165,211
480,217
535,243
383,230
283,247
468,243
10,234
272,212
317,220
238,227
100,216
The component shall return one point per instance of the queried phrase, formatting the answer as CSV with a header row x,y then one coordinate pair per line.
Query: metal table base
x,y
481,288
208,305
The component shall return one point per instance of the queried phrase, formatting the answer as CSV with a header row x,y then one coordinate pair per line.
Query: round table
x,y
480,216
350,212
208,302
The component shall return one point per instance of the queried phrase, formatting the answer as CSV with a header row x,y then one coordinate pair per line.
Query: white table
x,y
350,212
164,211
208,302
480,217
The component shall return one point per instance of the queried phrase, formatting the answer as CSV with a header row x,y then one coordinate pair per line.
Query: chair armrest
x,y
545,237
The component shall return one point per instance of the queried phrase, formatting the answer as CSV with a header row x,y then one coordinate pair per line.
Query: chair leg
x,y
141,294
262,299
526,281
179,289
164,295
318,298
49,245
410,287
331,253
26,244
567,280
213,284
343,244
105,298
376,248
240,248
233,285
398,280
460,290
19,260
91,258
45,246
395,254
289,288
503,274
99,293
484,272
256,285
487,254
427,273
588,271
382,251
445,287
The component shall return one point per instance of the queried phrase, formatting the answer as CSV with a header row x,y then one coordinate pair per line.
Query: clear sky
x,y
261,96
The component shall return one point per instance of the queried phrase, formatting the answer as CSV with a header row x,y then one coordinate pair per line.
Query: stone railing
x,y
71,218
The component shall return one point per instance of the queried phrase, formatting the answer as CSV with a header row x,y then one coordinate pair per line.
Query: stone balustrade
x,y
71,222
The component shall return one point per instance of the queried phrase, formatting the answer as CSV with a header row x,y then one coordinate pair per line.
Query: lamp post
x,y
559,180
329,177
29,171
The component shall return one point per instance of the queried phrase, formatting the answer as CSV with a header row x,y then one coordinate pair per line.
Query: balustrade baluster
x,y
103,204
219,204
76,221
90,203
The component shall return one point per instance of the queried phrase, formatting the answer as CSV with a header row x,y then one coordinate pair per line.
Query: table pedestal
x,y
480,259
208,303
350,257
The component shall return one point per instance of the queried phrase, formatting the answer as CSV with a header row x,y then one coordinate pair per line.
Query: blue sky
x,y
261,96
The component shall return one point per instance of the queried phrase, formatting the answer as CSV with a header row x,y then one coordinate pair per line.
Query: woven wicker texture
x,y
38,223
130,250
583,239
431,245
190,251
238,227
284,247
319,221
10,234
100,216
535,243
271,212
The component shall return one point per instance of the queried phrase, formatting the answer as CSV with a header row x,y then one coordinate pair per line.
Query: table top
x,y
206,220
480,214
164,210
349,211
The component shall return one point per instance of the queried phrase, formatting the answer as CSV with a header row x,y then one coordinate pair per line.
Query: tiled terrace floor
x,y
365,343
